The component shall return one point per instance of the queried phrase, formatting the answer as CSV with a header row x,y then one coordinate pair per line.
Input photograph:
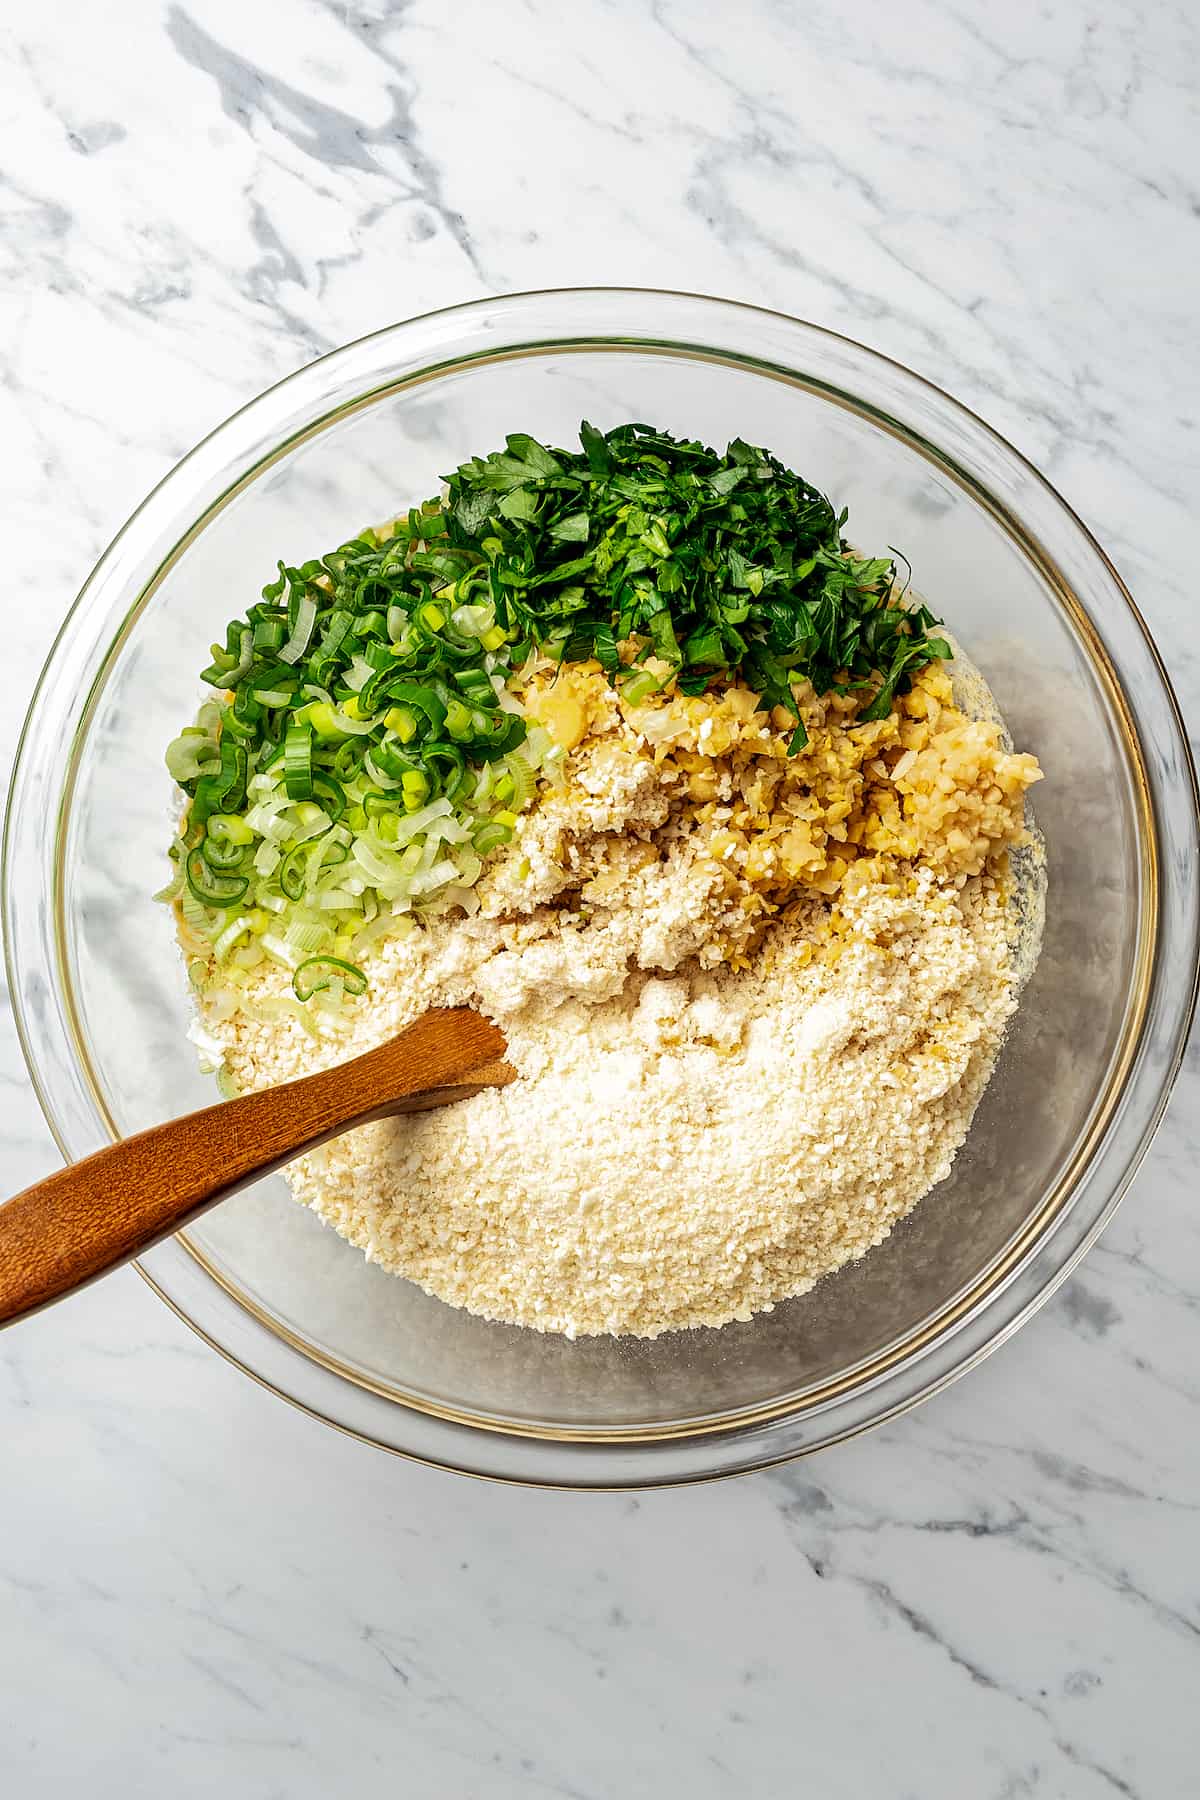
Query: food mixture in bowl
x,y
628,748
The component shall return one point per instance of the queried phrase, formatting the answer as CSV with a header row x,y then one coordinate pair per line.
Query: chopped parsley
x,y
713,565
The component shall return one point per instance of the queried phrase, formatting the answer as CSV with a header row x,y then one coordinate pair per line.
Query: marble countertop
x,y
203,1591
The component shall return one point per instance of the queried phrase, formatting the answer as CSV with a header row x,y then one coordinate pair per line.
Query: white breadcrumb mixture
x,y
695,1135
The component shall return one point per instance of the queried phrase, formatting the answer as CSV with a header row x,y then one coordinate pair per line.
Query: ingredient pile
x,y
629,748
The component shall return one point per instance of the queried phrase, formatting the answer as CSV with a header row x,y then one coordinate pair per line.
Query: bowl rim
x,y
1032,1236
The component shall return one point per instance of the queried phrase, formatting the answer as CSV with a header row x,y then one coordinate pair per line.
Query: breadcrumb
x,y
753,1002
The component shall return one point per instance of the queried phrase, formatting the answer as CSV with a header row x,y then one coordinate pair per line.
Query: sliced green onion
x,y
191,754
235,929
197,916
210,888
403,721
305,935
227,1083
517,768
228,666
380,776
270,635
280,949
292,872
414,789
266,858
332,793
347,759
450,758
230,828
423,698
302,630
460,723
490,836
353,767
419,822
297,762
336,900
321,716
316,973
378,805
472,621
219,853
441,873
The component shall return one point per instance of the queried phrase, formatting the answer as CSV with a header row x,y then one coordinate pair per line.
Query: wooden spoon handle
x,y
97,1213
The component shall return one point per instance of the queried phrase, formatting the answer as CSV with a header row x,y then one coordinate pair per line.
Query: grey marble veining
x,y
998,1595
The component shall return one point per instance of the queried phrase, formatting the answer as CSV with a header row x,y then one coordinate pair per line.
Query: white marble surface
x,y
201,1591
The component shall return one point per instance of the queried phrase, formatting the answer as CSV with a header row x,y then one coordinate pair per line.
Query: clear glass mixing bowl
x,y
101,997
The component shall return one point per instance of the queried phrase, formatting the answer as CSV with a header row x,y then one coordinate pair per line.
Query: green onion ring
x,y
321,971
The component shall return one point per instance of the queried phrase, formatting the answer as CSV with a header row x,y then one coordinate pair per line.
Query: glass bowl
x,y
101,996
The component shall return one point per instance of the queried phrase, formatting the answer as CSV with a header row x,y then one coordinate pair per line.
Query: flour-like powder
x,y
682,1149
752,998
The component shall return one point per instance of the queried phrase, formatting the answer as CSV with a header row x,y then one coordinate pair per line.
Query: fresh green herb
x,y
714,565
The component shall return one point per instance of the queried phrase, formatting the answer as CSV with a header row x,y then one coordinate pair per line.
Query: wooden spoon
x,y
96,1214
